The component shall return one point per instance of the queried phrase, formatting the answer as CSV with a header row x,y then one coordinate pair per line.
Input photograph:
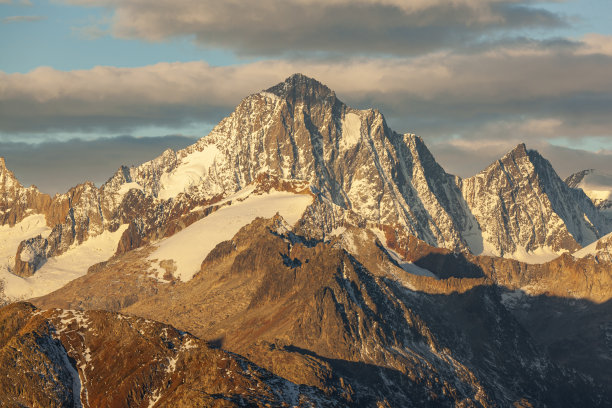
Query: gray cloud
x,y
276,27
534,92
56,166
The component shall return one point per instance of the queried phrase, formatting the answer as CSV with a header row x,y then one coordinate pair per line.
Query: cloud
x,y
531,92
277,27
21,19
56,166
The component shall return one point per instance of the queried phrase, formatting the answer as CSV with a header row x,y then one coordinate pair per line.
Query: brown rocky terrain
x,y
61,358
316,314
17,201
565,276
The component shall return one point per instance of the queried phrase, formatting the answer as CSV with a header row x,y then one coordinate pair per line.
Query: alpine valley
x,y
304,254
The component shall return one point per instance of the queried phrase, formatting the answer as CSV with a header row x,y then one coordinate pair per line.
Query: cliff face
x,y
17,201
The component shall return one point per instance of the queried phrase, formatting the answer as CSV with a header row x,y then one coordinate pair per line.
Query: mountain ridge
x,y
298,129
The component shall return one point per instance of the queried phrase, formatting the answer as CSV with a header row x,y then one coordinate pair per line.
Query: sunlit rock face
x,y
596,185
524,208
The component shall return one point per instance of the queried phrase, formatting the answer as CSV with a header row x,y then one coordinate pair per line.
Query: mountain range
x,y
303,253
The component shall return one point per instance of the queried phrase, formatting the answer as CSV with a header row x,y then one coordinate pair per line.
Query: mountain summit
x,y
300,88
299,130
524,208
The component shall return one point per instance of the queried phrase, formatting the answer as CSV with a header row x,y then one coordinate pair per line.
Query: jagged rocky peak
x,y
597,185
523,208
299,130
573,180
16,201
300,88
7,178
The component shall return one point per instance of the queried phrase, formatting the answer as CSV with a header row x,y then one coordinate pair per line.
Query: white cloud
x,y
21,19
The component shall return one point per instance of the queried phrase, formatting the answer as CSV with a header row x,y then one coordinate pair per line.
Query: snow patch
x,y
190,246
192,169
126,187
11,237
539,256
591,249
76,380
351,130
409,266
405,265
60,270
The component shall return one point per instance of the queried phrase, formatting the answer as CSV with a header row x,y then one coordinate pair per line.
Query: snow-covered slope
x,y
56,271
600,249
11,237
189,247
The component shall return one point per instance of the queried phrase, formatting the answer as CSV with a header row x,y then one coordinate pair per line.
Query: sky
x,y
88,85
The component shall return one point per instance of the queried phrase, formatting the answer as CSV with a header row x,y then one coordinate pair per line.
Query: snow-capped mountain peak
x,y
527,212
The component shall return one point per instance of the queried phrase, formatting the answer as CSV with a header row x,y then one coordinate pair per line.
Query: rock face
x,y
61,358
17,201
596,185
32,254
523,206
300,130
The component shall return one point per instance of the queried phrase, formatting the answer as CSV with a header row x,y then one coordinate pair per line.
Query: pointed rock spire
x,y
300,88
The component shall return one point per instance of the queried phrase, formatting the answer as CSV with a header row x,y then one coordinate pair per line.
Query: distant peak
x,y
300,87
574,179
